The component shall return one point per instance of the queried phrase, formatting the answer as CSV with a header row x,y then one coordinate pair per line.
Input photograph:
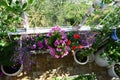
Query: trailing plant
x,y
24,47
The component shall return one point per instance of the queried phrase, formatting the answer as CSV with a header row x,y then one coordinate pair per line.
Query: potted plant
x,y
31,44
11,12
35,43
81,46
80,57
109,55
56,41
1,73
114,71
12,70
8,67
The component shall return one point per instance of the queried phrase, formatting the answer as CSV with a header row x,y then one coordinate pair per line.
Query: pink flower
x,y
33,46
57,56
40,45
52,50
65,54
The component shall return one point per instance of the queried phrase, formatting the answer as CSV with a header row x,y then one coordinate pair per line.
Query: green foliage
x,y
6,53
107,1
10,19
79,77
112,51
113,20
117,69
56,12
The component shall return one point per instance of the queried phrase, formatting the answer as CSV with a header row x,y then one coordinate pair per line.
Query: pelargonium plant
x,y
57,42
81,40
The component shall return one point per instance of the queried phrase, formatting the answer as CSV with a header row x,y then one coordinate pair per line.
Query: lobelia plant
x,y
57,42
29,43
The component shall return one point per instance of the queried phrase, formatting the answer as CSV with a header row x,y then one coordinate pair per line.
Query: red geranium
x,y
69,42
80,47
73,47
76,36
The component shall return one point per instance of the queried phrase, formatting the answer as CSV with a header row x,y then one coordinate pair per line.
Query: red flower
x,y
69,42
80,46
76,36
73,47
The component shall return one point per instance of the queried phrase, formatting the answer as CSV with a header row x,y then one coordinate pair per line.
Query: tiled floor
x,y
47,67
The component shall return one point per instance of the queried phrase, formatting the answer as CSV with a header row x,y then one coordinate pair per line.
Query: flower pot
x,y
82,61
12,70
103,62
1,73
112,72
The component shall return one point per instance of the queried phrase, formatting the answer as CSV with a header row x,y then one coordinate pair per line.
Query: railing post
x,y
24,16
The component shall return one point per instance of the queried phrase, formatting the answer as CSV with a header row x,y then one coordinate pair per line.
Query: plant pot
x,y
112,72
1,73
12,70
103,62
82,61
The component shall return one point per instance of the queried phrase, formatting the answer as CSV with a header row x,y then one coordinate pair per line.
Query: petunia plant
x,y
57,42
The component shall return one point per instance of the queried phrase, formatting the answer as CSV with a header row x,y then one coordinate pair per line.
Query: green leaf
x,y
2,43
30,1
3,3
10,2
24,7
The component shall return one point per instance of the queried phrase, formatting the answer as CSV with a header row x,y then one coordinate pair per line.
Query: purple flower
x,y
52,50
40,45
65,53
57,56
37,35
57,42
58,49
49,34
56,28
32,38
46,41
33,46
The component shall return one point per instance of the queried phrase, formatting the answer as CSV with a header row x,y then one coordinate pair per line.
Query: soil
x,y
12,69
117,69
80,57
